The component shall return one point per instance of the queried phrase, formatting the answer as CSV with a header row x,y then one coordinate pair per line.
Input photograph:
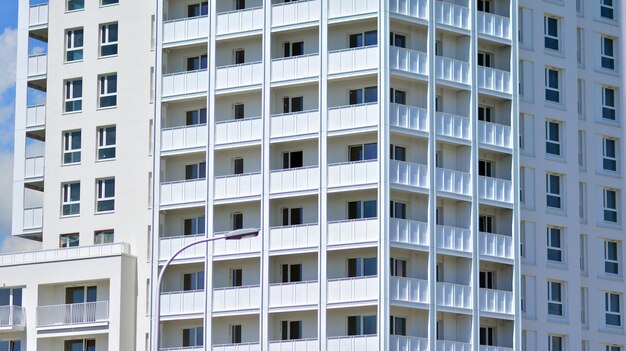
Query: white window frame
x,y
547,35
67,7
67,146
556,142
547,86
66,198
605,205
102,186
70,43
105,90
611,260
69,95
613,347
105,40
102,4
108,233
554,301
606,106
608,7
608,308
65,242
607,158
604,56
102,136
561,339
549,191
553,247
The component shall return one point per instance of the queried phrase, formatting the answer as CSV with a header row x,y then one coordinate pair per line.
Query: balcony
x,y
241,247
184,138
454,238
414,119
185,84
447,345
295,13
240,22
294,294
493,25
452,70
496,301
295,124
359,289
37,66
494,80
238,185
183,348
496,246
87,314
410,8
252,346
350,117
407,232
36,116
12,318
408,290
408,174
294,345
408,61
183,192
353,60
33,219
345,8
353,231
353,343
38,17
238,131
453,182
495,189
286,69
452,126
412,343
494,348
454,295
234,299
356,173
64,254
177,303
294,179
34,167
452,15
239,76
168,245
494,134
190,29
295,237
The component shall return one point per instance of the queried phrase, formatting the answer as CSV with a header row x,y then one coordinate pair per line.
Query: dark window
x,y
237,221
196,63
196,117
195,171
201,9
240,4
291,330
238,166
239,111
240,56
397,40
292,159
236,277
235,334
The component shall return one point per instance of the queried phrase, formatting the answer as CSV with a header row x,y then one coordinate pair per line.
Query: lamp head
x,y
241,233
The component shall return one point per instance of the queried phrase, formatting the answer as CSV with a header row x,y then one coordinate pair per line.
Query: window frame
x,y
102,136
108,234
70,44
66,241
609,109
607,210
107,90
551,195
69,153
552,89
553,143
115,2
608,59
552,338
105,41
72,206
548,37
611,261
555,301
553,247
608,309
102,187
70,95
609,160
609,9
67,6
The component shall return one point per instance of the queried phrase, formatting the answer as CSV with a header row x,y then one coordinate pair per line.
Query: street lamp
x,y
232,235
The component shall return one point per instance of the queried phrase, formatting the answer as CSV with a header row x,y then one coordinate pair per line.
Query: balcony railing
x,y
452,15
494,79
447,345
408,117
239,130
38,15
36,116
405,231
168,245
185,83
33,167
239,76
454,238
353,173
494,134
240,21
236,298
294,345
294,237
74,314
494,25
407,60
408,289
452,181
184,29
496,245
295,12
352,289
246,346
64,254
495,189
294,124
454,295
353,59
246,246
238,185
412,343
409,174
353,231
494,348
496,301
33,218
294,179
37,65
182,302
183,348
294,294
12,317
353,343
295,67
184,137
183,192
343,8
452,70
353,116
452,126
410,8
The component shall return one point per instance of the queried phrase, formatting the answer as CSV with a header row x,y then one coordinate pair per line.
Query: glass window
x,y
73,95
235,334
363,39
11,345
608,103
292,216
363,152
80,345
108,90
398,210
398,153
610,205
607,9
555,249
69,240
74,45
555,343
613,315
397,40
398,267
362,209
193,337
193,281
196,117
108,39
551,32
611,263
359,267
609,160
555,300
193,226
103,237
487,336
552,85
109,2
105,201
484,113
293,159
553,190
195,171
71,147
71,199
201,9
74,5
291,330
237,219
553,139
613,348
398,96
607,54
106,143
397,325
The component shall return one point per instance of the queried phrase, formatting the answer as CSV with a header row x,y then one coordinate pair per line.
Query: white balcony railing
x,y
452,181
238,185
353,116
240,21
353,343
496,245
183,191
496,301
294,179
454,295
408,289
38,15
495,134
452,15
294,294
184,137
33,218
353,231
294,124
408,343
352,289
238,130
494,79
75,314
182,302
12,317
408,117
36,116
447,345
353,173
236,298
184,29
37,65
185,83
251,346
294,345
405,231
454,238
452,70
452,126
295,67
494,25
343,8
495,189
494,348
33,167
183,348
168,245
64,254
353,59
244,246
295,12
240,75
410,8
407,60
409,174
294,237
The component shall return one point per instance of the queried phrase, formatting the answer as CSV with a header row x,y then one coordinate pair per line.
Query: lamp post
x,y
156,319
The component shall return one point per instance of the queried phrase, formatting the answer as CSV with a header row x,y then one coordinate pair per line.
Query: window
x,y
74,45
611,263
108,39
398,267
11,345
607,9
293,49
398,96
609,161
363,39
69,240
363,96
608,103
487,336
553,139
235,334
294,104
606,53
193,337
487,279
200,9
485,168
81,294
80,345
484,113
196,117
484,6
105,197
398,210
610,205
553,190
238,165
398,153
555,249
193,226
551,32
292,216
109,2
613,348
75,5
291,273
193,281
238,109
291,330
236,277
362,325
555,343
196,63
195,171
239,57
108,91
612,313
73,95
71,147
362,267
485,224
237,219
362,209
106,143
555,299
552,78
362,152
484,59
71,198
580,44
103,237
397,325
240,4
292,159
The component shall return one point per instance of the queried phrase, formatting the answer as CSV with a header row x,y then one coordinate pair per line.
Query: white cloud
x,y
8,43
19,245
